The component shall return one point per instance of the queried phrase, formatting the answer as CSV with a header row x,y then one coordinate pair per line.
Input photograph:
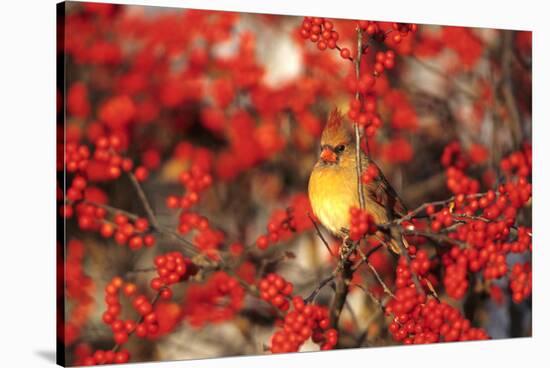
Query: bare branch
x,y
144,201
358,165
320,235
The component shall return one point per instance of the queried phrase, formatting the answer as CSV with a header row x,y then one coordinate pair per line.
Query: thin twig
x,y
358,164
381,303
321,285
141,270
144,201
440,238
320,235
344,270
412,214
376,274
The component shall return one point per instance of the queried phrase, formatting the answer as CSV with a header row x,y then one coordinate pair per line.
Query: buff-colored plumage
x,y
333,184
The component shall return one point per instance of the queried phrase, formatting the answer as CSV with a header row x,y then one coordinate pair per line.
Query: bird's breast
x,y
332,191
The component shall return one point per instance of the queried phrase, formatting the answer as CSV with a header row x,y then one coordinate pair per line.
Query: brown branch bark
x,y
343,278
344,271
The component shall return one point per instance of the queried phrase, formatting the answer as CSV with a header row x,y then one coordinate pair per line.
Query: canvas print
x,y
234,184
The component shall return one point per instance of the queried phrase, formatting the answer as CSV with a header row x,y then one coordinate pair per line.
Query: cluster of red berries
x,y
523,242
207,239
420,266
74,193
276,290
419,319
369,174
420,263
518,163
361,224
371,27
403,29
364,110
216,300
76,157
89,216
122,329
304,322
136,235
482,223
374,30
483,254
496,265
280,227
384,60
106,163
443,218
454,156
482,234
521,281
172,268
422,320
517,193
321,31
455,279
105,357
460,183
107,152
195,182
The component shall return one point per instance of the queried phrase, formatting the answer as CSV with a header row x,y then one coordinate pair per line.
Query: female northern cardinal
x,y
333,185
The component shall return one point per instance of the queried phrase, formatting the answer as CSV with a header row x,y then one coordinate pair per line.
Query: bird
x,y
333,186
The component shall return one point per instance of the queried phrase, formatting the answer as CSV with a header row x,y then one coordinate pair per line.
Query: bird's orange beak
x,y
328,155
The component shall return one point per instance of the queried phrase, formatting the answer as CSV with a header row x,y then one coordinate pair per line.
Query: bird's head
x,y
336,141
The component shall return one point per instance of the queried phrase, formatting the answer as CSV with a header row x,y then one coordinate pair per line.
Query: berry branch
x,y
188,246
358,164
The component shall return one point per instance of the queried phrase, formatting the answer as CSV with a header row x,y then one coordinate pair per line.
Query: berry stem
x,y
318,231
385,287
188,246
358,164
412,214
144,201
139,320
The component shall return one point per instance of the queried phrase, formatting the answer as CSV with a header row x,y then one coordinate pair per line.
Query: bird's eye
x,y
340,148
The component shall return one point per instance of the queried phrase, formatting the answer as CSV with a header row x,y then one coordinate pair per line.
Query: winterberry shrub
x,y
185,142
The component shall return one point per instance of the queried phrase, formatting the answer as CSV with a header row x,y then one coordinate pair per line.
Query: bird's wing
x,y
383,193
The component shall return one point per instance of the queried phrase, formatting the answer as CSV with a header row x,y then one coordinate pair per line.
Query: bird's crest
x,y
336,132
335,119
